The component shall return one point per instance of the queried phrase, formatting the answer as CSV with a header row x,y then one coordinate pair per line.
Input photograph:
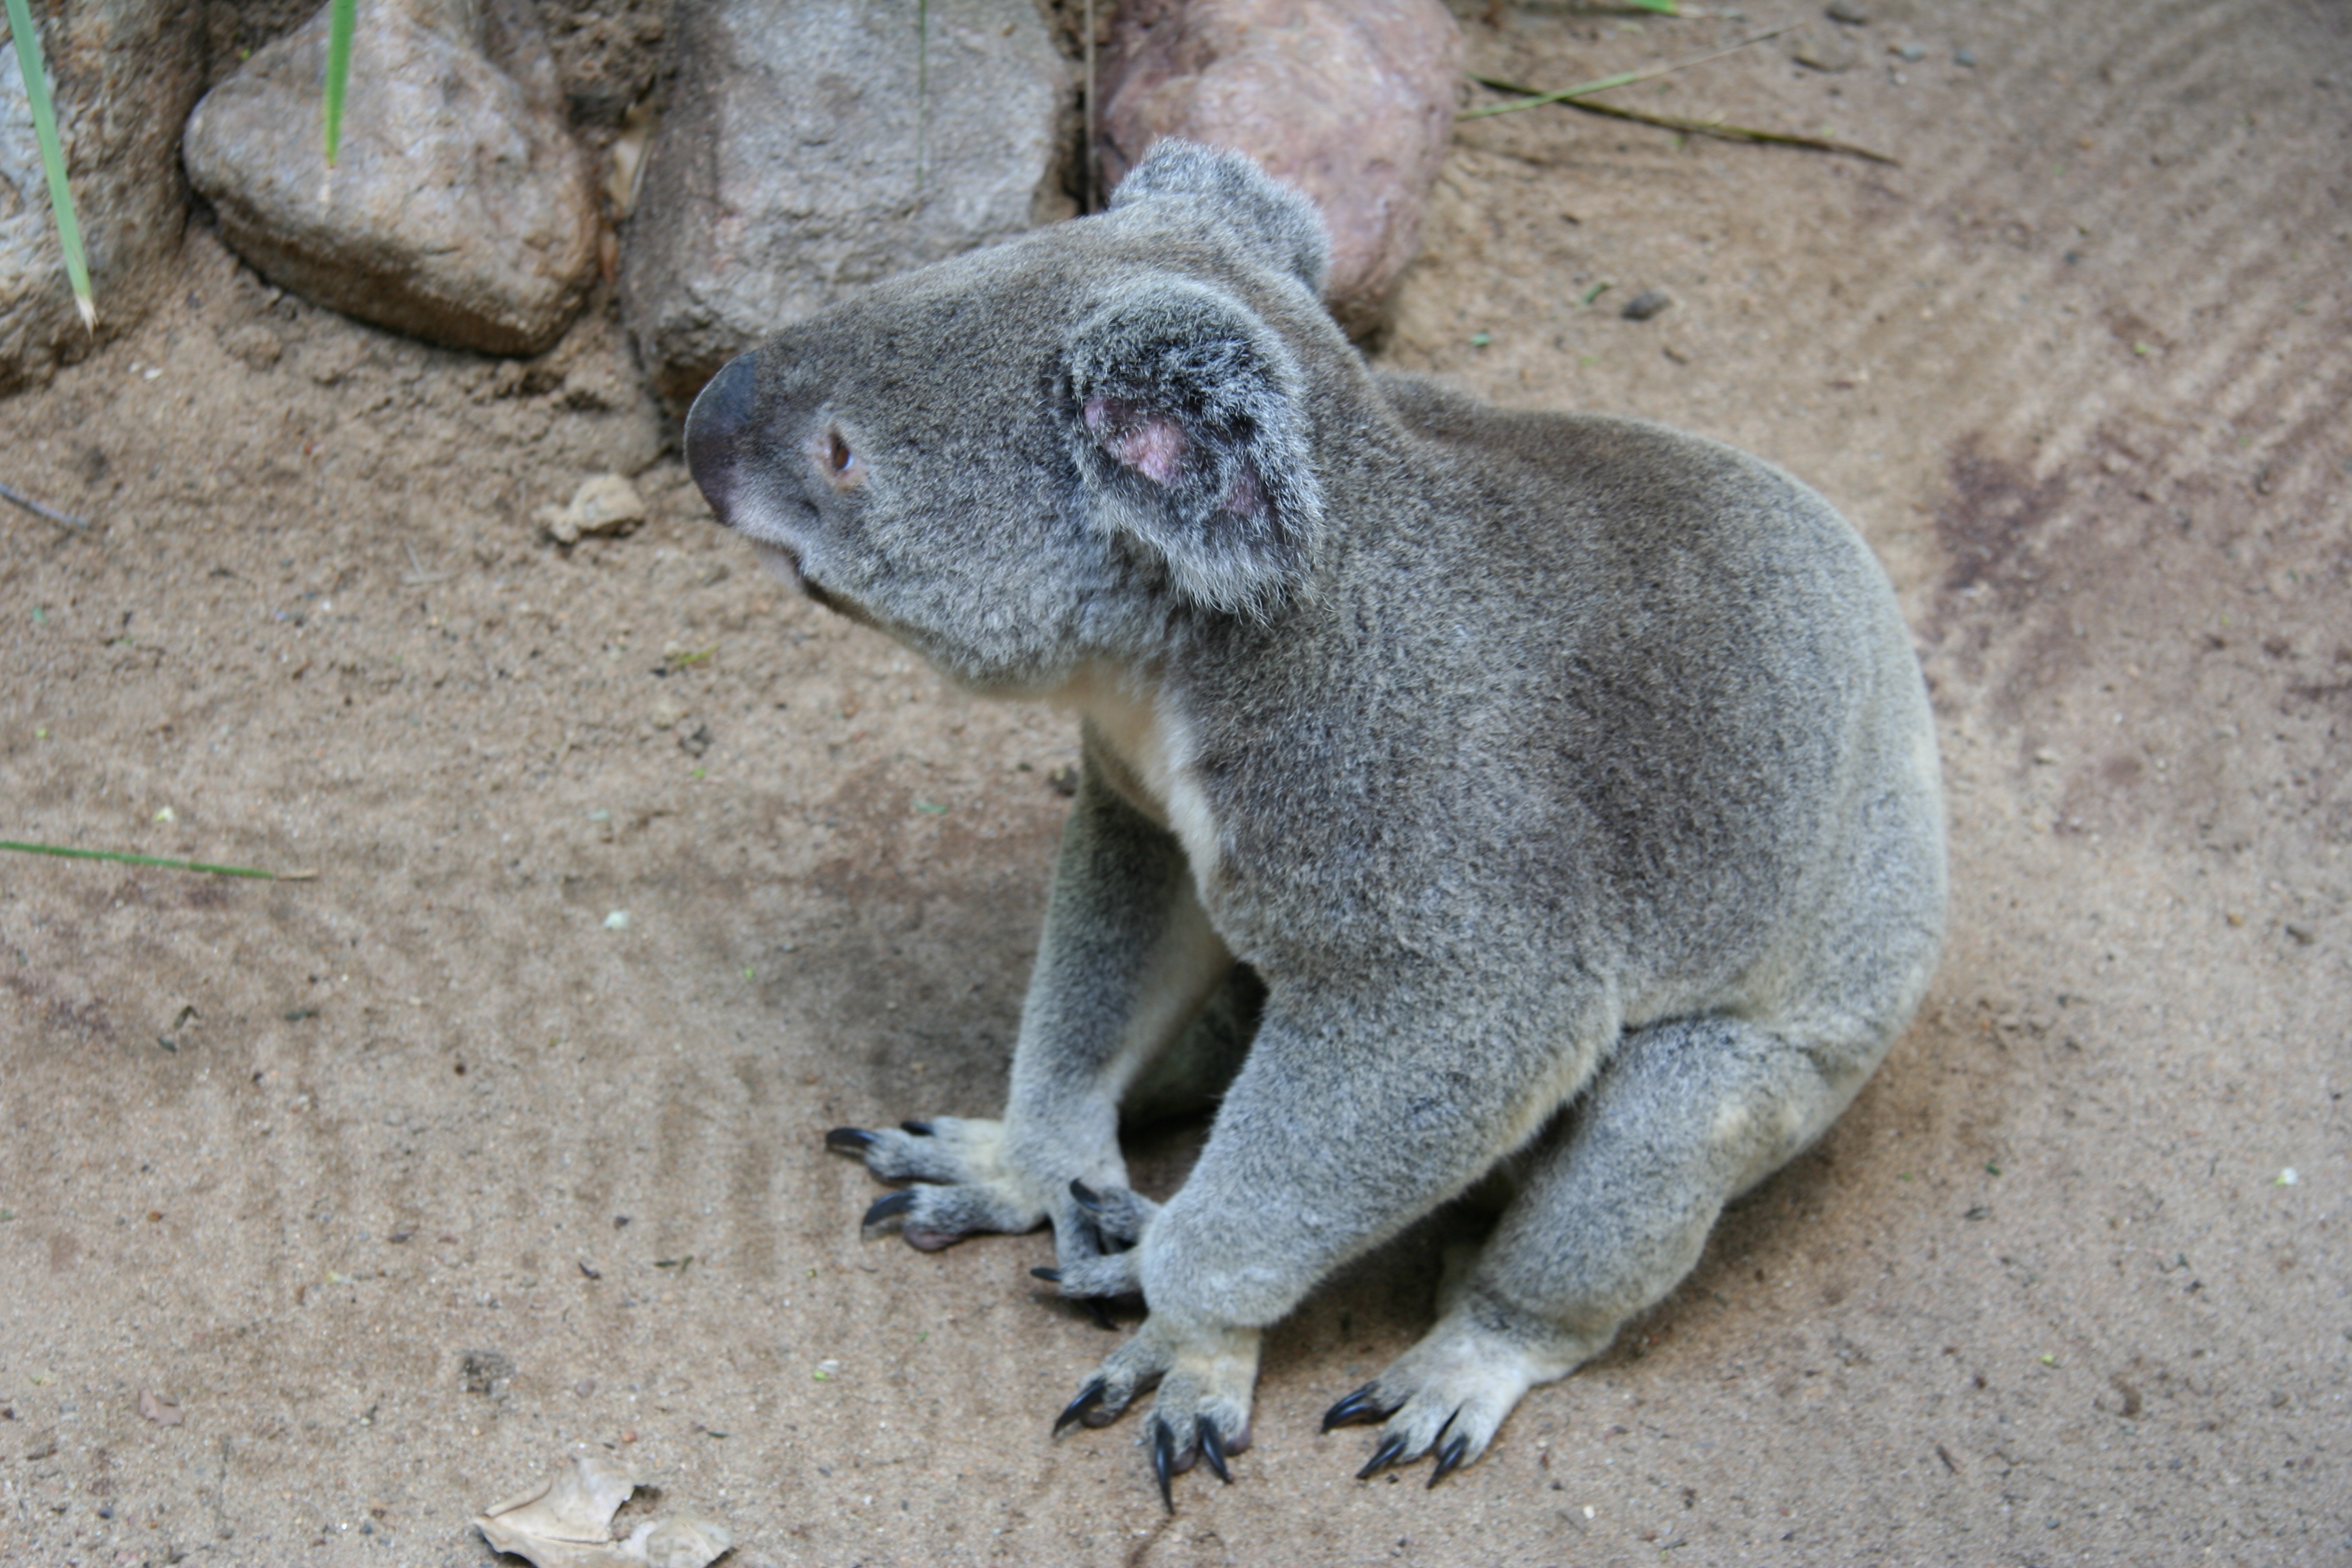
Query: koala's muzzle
x,y
714,427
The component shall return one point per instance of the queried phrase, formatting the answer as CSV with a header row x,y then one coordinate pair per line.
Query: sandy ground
x,y
405,1180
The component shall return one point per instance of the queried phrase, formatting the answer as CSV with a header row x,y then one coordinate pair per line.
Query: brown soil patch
x,y
298,1156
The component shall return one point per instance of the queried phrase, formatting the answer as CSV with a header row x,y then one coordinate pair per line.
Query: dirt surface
x,y
403,1180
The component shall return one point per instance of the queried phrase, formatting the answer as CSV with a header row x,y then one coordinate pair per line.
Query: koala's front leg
x,y
1356,1113
1127,959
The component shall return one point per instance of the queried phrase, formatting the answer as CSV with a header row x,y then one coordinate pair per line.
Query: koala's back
x,y
1592,688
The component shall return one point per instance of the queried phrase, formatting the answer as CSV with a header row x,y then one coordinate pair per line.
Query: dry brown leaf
x,y
567,1522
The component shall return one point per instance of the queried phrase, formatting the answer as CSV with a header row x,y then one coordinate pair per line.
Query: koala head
x,y
1059,447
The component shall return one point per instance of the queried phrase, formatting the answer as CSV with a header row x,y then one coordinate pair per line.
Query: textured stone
x,y
121,75
604,503
785,173
460,210
1351,101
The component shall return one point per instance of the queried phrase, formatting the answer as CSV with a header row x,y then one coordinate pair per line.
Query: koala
x,y
1528,801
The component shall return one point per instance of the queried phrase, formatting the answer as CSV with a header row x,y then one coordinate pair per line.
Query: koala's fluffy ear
x,y
1188,420
1234,193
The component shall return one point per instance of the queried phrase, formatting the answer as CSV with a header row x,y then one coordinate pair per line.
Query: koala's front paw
x,y
1206,1375
970,1185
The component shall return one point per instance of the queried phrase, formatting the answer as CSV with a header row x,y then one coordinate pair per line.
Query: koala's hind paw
x,y
1207,1378
1117,1213
1445,1398
970,1188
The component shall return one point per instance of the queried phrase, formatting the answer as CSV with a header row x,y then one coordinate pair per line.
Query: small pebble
x,y
1911,52
1824,50
1846,10
1647,304
1964,57
604,503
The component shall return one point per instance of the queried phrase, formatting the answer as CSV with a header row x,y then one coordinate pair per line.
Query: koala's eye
x,y
830,450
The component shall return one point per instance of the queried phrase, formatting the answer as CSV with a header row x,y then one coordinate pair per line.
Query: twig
x,y
418,576
1088,177
37,509
154,860
922,88
1622,78
1715,128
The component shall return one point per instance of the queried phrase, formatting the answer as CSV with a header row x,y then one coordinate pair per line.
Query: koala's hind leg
x,y
1191,1076
1616,1207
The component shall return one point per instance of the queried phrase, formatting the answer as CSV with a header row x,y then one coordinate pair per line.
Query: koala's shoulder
x,y
1638,479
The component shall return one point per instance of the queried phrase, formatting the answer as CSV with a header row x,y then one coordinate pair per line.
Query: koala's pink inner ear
x,y
1153,445
1245,498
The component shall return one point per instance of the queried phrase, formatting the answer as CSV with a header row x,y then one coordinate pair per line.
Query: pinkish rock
x,y
1351,101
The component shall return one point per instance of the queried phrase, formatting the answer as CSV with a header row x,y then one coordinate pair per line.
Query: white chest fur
x,y
1145,746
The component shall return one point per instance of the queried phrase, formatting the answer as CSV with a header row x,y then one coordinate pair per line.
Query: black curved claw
x,y
1163,1458
1052,1275
919,1129
1213,1449
1391,1449
890,1207
1076,1410
1357,1409
1449,1458
850,1140
1089,1199
1100,1311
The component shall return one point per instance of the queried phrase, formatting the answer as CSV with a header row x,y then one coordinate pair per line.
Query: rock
x,y
1647,304
1824,48
605,504
460,211
1351,101
1846,10
122,74
795,162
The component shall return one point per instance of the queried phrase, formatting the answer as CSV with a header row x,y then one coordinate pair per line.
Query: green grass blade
x,y
341,18
1622,79
53,155
138,859
1537,100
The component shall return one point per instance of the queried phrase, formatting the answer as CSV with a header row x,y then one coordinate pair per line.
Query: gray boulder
x,y
121,74
460,210
1349,100
785,173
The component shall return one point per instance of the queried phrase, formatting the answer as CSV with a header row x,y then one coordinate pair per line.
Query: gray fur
x,y
1550,795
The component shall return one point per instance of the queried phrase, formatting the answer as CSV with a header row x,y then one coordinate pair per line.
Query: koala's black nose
x,y
714,428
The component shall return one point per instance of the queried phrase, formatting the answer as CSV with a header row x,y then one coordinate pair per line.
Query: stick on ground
x,y
1721,129
37,509
1622,78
